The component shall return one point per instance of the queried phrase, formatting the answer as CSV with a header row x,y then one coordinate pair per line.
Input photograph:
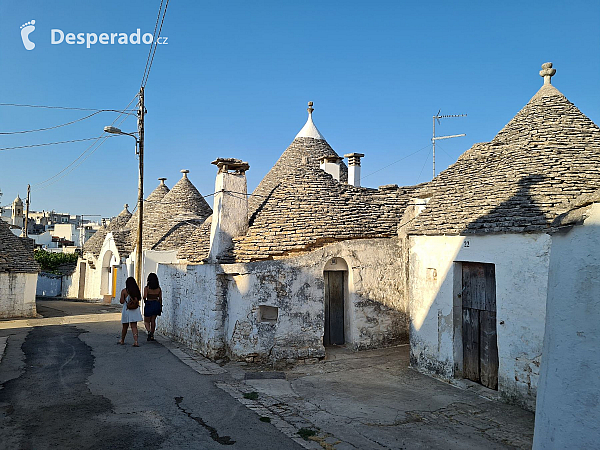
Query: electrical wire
x,y
153,40
154,45
395,162
67,107
48,183
104,136
426,159
51,128
50,143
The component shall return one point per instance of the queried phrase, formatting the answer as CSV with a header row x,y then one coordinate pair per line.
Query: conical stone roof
x,y
545,157
180,212
151,205
14,257
298,207
94,244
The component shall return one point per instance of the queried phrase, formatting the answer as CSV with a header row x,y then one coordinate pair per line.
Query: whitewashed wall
x,y
192,312
208,303
17,294
521,265
49,285
151,259
568,403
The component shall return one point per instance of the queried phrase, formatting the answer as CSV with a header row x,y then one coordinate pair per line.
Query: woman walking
x,y
130,299
152,305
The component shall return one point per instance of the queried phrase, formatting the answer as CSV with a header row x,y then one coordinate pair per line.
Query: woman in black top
x,y
152,304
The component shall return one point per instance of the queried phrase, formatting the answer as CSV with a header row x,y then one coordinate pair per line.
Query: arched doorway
x,y
335,277
108,275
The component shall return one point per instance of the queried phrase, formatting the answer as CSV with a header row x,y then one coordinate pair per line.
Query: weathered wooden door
x,y
480,347
334,308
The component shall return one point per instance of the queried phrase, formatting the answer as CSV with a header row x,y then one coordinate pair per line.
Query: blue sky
x,y
235,77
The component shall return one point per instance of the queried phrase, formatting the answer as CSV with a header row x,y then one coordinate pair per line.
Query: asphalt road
x,y
72,386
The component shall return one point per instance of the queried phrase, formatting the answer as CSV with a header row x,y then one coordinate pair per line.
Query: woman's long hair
x,y
132,288
153,281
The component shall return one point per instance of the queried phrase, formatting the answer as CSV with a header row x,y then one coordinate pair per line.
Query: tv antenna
x,y
434,138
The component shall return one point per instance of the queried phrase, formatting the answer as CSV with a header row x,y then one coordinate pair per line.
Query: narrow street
x,y
72,386
67,384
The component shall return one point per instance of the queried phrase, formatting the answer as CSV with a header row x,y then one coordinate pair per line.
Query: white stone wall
x,y
151,260
568,402
192,313
48,285
521,266
17,294
215,307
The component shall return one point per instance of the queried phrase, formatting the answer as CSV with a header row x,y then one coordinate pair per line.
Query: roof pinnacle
x,y
184,172
162,180
309,129
547,72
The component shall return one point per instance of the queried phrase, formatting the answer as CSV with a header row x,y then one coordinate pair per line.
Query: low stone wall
x,y
17,294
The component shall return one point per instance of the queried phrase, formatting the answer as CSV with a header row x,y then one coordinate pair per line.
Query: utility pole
x,y
140,152
27,209
434,138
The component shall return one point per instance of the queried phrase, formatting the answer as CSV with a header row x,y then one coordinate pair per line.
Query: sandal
x,y
135,344
120,343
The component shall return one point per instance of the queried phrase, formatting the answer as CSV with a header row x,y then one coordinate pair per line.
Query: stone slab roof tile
x,y
94,244
14,256
179,213
545,157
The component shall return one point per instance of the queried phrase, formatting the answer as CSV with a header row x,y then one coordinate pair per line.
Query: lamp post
x,y
139,143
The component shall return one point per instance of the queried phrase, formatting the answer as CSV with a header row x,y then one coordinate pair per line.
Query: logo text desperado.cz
x,y
89,39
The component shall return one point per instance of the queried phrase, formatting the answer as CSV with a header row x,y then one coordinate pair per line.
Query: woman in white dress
x,y
130,299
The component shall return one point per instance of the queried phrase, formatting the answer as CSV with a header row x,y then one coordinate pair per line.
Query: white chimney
x,y
354,168
230,209
331,165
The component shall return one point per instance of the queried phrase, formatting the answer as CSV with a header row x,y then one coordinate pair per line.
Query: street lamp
x,y
139,144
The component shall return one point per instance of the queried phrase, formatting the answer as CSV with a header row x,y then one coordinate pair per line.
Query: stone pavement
x,y
353,400
369,400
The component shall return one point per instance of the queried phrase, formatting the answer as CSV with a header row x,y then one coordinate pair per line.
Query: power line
x,y
51,128
50,143
154,44
395,162
67,107
153,41
86,150
424,164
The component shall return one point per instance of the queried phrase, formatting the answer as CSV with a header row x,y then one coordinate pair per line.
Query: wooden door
x,y
480,347
334,308
81,290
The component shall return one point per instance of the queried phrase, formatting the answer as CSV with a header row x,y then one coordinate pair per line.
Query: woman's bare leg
x,y
147,323
123,333
153,324
134,330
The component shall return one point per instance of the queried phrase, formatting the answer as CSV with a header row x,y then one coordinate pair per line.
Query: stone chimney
x,y
230,209
354,168
331,165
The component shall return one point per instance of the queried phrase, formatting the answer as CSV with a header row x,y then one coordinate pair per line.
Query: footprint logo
x,y
26,30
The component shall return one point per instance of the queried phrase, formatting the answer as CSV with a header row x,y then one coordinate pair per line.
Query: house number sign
x,y
466,244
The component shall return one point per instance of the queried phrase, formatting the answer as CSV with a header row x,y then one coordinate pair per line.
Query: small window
x,y
267,313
